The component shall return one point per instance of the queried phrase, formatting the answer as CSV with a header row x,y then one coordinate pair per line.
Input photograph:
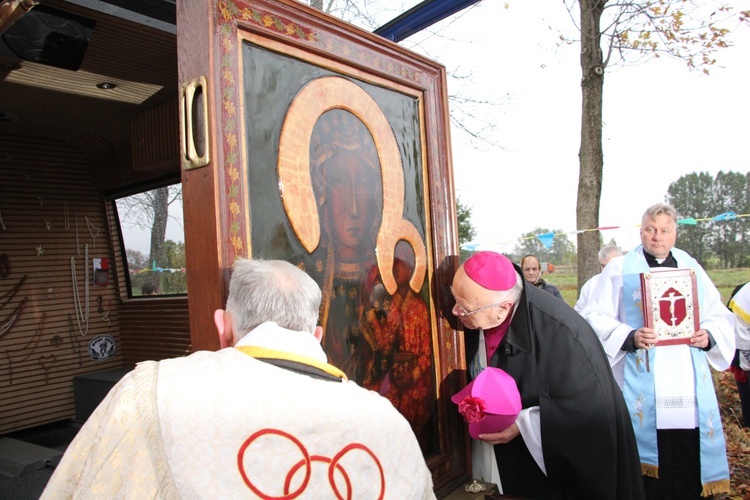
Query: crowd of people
x,y
610,408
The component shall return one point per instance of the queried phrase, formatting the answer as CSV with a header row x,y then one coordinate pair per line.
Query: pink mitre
x,y
490,403
491,270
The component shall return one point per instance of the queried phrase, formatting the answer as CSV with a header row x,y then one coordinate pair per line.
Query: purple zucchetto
x,y
491,270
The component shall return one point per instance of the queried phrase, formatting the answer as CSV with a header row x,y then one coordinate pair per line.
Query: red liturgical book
x,y
670,305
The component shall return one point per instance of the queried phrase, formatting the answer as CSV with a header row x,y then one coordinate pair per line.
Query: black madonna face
x,y
348,183
352,199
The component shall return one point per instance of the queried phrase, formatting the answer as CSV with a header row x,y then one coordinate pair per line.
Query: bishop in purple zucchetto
x,y
491,270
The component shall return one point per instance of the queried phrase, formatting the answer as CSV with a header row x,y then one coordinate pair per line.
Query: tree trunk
x,y
160,204
591,158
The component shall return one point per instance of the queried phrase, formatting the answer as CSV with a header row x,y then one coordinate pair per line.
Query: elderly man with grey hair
x,y
668,388
606,253
264,417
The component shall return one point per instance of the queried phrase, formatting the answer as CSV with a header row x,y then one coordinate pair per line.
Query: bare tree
x,y
135,259
627,32
159,199
470,111
149,210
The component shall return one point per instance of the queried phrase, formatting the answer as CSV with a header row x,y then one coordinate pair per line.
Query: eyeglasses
x,y
463,312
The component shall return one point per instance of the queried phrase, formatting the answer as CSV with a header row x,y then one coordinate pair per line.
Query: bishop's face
x,y
658,235
475,306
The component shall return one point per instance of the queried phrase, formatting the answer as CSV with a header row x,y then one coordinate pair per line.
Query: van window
x,y
154,241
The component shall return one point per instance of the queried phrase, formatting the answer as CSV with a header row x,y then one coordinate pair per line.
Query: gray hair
x,y
512,295
608,251
660,209
272,290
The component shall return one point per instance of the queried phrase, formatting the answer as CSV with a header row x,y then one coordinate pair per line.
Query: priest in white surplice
x,y
668,389
264,417
606,253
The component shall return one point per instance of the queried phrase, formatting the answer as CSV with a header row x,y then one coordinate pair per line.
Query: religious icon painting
x,y
670,305
325,169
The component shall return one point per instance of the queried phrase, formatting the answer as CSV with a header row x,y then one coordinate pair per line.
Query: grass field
x,y
737,436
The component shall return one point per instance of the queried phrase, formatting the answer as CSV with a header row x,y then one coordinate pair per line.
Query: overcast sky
x,y
661,121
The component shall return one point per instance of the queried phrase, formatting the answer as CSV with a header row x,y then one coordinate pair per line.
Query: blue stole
x,y
639,391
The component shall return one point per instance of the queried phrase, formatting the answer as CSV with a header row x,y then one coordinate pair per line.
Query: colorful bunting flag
x,y
725,216
547,238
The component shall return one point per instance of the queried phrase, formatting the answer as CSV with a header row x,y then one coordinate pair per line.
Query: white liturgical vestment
x,y
227,425
674,370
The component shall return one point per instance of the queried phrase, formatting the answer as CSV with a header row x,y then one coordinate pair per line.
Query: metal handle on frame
x,y
194,134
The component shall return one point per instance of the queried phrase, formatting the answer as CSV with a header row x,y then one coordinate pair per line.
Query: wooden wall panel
x,y
118,271
154,328
47,193
67,105
51,212
156,138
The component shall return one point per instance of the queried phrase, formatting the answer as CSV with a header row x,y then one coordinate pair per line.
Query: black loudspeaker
x,y
48,36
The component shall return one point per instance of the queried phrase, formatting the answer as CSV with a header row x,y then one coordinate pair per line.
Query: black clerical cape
x,y
587,438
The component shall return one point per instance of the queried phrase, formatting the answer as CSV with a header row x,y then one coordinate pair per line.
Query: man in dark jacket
x,y
576,439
